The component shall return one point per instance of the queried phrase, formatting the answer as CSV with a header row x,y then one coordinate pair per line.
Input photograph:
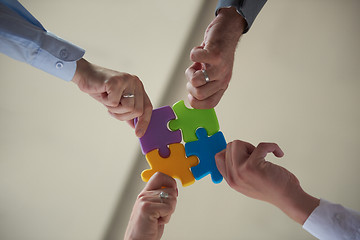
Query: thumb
x,y
201,55
220,162
220,155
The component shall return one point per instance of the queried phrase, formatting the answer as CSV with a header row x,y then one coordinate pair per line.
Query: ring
x,y
128,95
163,195
207,79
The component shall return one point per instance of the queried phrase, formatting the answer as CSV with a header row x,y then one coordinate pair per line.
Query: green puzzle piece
x,y
188,120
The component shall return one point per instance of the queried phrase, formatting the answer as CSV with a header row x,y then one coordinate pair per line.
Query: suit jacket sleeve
x,y
248,9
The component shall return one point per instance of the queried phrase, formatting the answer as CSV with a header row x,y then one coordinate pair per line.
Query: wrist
x,y
82,67
234,18
298,204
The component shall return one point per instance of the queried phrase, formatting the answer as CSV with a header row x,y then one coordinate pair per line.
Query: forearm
x,y
297,204
232,23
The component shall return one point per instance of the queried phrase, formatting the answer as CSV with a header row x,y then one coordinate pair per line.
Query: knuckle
x,y
148,108
261,145
199,94
230,181
193,103
113,103
137,112
193,54
145,205
216,55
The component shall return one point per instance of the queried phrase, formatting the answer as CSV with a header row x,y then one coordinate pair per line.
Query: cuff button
x,y
59,65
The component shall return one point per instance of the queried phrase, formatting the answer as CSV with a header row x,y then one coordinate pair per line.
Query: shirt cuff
x,y
57,57
333,222
248,9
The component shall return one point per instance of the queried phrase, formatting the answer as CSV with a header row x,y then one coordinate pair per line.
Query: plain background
x,y
70,171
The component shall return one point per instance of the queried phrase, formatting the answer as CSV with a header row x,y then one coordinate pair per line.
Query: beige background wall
x,y
70,171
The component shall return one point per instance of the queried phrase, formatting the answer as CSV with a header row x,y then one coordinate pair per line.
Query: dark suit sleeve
x,y
249,9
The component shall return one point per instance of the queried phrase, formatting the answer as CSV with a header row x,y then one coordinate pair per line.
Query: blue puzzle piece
x,y
205,149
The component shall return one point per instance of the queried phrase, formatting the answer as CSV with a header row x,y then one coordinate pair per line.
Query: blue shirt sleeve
x,y
23,38
248,9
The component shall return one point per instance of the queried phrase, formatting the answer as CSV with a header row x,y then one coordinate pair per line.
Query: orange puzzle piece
x,y
177,165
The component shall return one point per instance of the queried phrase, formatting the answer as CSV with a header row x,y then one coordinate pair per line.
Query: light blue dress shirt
x,y
23,38
331,221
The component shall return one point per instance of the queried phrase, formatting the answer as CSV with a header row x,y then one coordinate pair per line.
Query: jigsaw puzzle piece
x,y
188,120
206,148
177,165
157,135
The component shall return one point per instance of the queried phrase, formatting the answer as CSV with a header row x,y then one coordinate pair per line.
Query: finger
x,y
123,116
195,75
129,102
264,148
202,55
126,106
159,180
220,162
207,103
154,195
205,91
156,209
131,123
144,119
221,155
96,96
229,163
162,211
113,92
197,78
243,149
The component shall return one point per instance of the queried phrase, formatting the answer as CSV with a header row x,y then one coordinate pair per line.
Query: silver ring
x,y
163,195
207,79
128,96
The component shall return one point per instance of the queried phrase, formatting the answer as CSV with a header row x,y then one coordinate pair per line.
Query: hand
x,y
109,86
150,212
216,56
245,170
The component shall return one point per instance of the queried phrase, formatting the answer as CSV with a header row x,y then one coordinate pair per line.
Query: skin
x,y
216,56
150,213
245,170
108,87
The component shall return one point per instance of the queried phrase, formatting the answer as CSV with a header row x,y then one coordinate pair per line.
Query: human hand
x,y
109,87
216,56
151,212
245,170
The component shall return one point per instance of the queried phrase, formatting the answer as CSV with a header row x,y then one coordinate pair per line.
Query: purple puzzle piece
x,y
158,136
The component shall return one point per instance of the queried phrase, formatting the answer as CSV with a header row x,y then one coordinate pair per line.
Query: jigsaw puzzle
x,y
165,153
157,135
177,165
188,120
205,149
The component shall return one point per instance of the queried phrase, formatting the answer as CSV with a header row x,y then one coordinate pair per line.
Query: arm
x,y
151,212
23,38
216,53
245,169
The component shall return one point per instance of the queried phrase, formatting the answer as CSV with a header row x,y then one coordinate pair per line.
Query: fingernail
x,y
139,133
